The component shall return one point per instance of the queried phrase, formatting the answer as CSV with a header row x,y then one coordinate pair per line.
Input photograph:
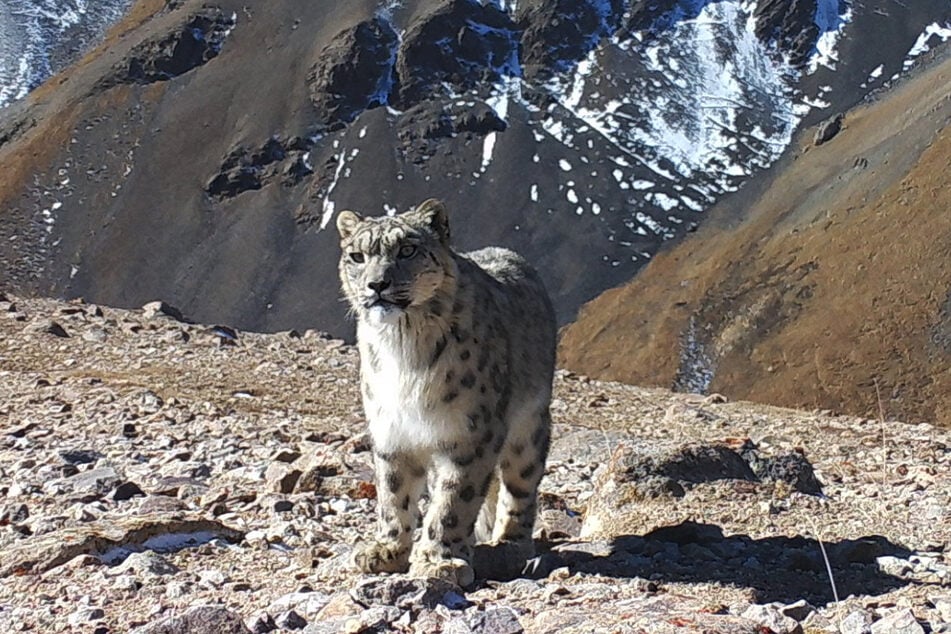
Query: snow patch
x,y
934,31
329,206
488,147
168,543
29,29
831,26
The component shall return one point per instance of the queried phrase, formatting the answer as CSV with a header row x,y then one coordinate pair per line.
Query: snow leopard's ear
x,y
432,214
347,222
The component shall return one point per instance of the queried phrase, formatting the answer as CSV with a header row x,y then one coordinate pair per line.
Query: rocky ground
x,y
174,477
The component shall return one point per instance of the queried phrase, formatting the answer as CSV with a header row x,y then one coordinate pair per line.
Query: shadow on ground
x,y
783,569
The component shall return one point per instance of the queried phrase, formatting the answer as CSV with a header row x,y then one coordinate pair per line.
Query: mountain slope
x,y
824,285
200,153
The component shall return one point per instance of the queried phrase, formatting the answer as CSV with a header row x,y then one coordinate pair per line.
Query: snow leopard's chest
x,y
424,401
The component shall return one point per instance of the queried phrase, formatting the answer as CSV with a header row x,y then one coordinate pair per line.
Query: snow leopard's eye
x,y
407,251
357,257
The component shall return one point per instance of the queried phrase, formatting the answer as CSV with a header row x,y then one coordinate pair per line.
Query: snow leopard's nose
x,y
379,286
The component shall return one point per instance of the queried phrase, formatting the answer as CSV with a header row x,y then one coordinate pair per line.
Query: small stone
x,y
501,620
95,335
85,615
898,622
402,592
126,583
800,610
281,478
857,622
14,514
339,605
177,589
213,578
94,483
159,309
769,616
150,401
314,468
204,619
286,455
943,606
376,619
145,564
47,326
225,332
306,604
828,129
161,504
81,513
893,565
80,561
79,456
129,430
339,506
283,506
262,624
291,620
127,491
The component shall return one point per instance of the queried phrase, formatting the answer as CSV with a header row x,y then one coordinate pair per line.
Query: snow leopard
x,y
457,356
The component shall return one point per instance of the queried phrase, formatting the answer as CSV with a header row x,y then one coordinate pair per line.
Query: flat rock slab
x,y
641,475
203,619
45,552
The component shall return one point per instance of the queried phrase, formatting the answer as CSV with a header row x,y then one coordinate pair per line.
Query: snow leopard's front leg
x,y
401,479
461,479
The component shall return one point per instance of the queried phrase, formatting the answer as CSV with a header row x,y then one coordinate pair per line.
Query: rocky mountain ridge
x,y
200,152
825,285
172,476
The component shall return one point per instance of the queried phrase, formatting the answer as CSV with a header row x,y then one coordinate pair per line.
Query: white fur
x,y
405,412
384,315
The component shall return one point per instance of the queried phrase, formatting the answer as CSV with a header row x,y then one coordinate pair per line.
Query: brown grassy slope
x,y
49,125
835,278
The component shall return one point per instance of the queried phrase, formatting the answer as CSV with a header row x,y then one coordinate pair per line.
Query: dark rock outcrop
x,y
669,473
423,125
462,43
355,72
203,619
558,33
827,130
244,170
198,40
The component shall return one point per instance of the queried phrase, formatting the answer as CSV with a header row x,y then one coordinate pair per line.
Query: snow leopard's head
x,y
391,265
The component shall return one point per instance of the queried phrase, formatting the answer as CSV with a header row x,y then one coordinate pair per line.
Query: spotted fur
x,y
457,357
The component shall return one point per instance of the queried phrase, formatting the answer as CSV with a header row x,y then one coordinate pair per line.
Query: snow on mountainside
x,y
656,118
582,133
39,37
